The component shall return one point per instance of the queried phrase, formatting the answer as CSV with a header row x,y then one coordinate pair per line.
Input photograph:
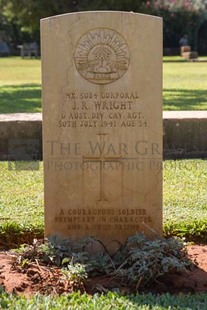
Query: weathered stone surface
x,y
102,125
21,136
185,134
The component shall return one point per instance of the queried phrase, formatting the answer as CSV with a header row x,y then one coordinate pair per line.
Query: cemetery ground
x,y
21,217
184,84
185,215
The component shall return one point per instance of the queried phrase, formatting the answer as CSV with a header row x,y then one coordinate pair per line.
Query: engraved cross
x,y
102,159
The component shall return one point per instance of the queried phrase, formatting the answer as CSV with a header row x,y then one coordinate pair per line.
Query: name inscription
x,y
107,109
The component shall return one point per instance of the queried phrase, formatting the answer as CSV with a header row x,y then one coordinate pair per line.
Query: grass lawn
x,y
184,191
20,86
185,214
111,301
185,199
184,85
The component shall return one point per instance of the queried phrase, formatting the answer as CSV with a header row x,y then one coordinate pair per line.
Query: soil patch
x,y
47,280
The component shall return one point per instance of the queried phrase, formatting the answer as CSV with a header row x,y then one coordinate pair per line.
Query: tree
x,y
27,13
180,16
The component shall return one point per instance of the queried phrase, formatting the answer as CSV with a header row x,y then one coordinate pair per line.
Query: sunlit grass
x,y
18,71
20,88
21,196
184,84
111,300
184,195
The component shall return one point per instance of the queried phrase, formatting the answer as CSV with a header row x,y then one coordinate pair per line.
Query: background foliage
x,y
180,16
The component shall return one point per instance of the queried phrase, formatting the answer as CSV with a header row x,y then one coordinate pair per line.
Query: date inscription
x,y
104,110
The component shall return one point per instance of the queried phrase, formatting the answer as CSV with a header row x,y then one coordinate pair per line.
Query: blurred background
x,y
20,21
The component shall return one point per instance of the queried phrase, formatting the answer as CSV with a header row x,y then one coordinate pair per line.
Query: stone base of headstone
x,y
184,49
190,55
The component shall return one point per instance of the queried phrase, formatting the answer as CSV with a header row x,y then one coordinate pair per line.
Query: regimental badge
x,y
101,56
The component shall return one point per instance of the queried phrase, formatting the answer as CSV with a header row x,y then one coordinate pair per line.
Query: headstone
x,y
102,125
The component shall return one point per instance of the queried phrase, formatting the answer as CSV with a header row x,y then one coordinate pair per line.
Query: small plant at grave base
x,y
39,250
137,264
75,272
144,261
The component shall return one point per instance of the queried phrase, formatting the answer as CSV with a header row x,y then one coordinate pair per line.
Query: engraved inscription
x,y
101,56
102,110
102,159
100,219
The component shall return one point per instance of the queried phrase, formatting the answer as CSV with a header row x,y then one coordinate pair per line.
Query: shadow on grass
x,y
166,301
27,98
184,99
175,60
20,98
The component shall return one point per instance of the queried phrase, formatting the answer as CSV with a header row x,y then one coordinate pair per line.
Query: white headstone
x,y
102,125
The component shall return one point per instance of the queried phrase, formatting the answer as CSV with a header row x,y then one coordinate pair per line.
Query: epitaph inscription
x,y
102,56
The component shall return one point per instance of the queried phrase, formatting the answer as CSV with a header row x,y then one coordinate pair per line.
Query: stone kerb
x,y
185,134
21,136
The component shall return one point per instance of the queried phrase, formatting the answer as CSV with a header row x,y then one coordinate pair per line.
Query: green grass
x,y
185,198
111,301
20,88
21,204
185,214
17,71
20,98
184,195
184,85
